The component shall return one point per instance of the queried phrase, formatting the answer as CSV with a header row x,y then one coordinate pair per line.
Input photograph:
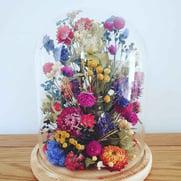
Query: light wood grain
x,y
15,152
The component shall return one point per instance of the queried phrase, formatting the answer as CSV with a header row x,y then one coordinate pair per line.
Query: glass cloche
x,y
91,88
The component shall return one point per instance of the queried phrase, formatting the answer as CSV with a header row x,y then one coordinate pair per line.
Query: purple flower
x,y
55,154
104,124
48,43
67,71
112,49
76,87
122,101
121,87
125,33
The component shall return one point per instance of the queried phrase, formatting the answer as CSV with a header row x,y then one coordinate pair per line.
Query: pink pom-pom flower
x,y
119,23
93,148
86,99
50,69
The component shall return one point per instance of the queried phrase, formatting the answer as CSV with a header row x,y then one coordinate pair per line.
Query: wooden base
x,y
44,171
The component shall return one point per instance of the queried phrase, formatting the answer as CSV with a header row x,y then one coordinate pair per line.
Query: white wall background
x,y
22,22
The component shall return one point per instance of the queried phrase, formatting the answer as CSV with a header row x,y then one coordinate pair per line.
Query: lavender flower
x,y
104,124
121,101
121,87
48,43
55,154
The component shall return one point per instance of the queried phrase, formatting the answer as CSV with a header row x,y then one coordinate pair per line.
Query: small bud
x,y
94,158
110,164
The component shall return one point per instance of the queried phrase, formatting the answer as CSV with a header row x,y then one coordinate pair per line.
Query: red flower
x,y
74,161
56,107
88,120
65,35
122,110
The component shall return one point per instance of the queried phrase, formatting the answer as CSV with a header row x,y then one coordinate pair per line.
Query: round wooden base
x,y
47,172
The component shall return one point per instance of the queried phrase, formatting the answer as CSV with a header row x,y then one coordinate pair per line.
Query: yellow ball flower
x,y
64,145
107,99
89,63
67,135
62,140
90,73
93,63
107,71
82,147
99,69
100,76
71,141
107,78
78,146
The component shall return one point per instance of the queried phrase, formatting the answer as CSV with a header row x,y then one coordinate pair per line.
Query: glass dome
x,y
91,87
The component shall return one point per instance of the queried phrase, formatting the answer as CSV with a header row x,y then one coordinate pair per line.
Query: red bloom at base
x,y
74,162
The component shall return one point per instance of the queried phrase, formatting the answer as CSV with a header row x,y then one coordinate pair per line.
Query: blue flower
x,y
125,33
55,154
48,43
104,124
57,53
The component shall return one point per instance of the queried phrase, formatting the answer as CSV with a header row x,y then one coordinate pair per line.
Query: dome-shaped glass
x,y
92,81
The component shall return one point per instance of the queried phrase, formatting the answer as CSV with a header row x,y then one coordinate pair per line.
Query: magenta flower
x,y
119,23
67,71
86,99
112,49
109,25
131,117
94,148
69,119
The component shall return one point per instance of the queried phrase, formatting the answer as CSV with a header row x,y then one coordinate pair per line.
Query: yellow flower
x,y
78,146
64,145
100,76
67,135
107,71
107,78
93,63
71,141
99,69
107,99
58,139
90,72
62,140
82,147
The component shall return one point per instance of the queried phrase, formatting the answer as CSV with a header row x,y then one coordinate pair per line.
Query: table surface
x,y
15,152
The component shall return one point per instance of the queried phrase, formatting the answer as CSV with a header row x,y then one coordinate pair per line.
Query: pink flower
x,y
74,161
131,117
69,118
83,24
93,148
112,50
86,99
119,23
136,107
109,25
65,35
88,120
49,69
67,71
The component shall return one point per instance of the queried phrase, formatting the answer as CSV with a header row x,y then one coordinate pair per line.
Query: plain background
x,y
22,24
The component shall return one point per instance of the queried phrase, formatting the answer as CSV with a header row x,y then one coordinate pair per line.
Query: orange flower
x,y
114,157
